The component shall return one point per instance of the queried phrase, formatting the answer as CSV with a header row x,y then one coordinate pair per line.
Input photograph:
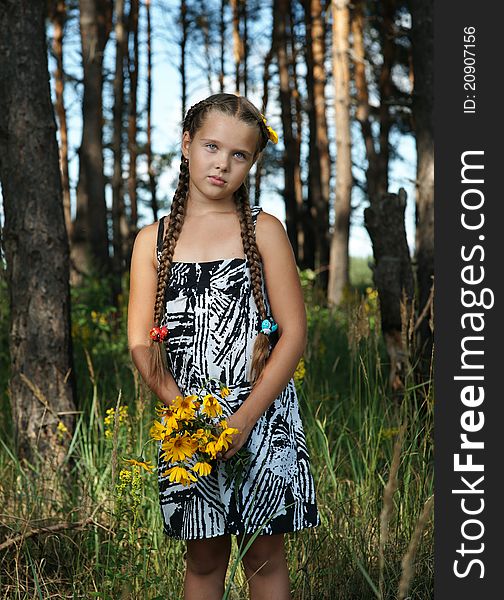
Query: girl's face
x,y
220,155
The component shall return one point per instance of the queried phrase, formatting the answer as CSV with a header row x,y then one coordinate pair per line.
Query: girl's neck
x,y
202,207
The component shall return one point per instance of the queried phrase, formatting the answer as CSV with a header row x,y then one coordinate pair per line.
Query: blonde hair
x,y
244,110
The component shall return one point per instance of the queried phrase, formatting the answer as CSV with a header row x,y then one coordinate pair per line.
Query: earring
x,y
185,160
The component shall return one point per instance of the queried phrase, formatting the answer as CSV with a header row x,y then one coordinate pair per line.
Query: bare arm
x,y
143,284
287,305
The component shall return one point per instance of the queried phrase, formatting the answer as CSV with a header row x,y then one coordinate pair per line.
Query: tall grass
x,y
103,538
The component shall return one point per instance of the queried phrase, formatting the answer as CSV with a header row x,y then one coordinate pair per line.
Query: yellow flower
x,y
62,427
223,424
184,407
178,448
125,475
140,463
224,392
211,406
225,438
180,475
272,134
212,449
158,431
202,468
300,371
170,415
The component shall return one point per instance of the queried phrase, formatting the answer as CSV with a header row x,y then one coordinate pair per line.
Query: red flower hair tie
x,y
159,334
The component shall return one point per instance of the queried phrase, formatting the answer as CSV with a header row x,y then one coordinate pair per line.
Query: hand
x,y
244,427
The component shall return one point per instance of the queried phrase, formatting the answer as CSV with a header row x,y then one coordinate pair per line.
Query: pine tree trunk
x,y
377,171
422,48
222,53
237,44
339,276
393,278
281,7
90,238
58,17
298,134
183,44
35,242
132,128
119,225
150,167
316,217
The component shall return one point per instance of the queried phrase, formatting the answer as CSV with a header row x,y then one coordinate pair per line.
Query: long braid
x,y
261,348
158,363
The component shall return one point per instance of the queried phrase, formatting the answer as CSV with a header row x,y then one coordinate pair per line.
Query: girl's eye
x,y
241,154
211,145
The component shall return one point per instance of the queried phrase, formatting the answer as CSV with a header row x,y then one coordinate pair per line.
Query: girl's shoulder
x,y
147,238
270,232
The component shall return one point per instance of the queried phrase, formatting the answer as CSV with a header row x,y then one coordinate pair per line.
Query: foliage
x,y
118,548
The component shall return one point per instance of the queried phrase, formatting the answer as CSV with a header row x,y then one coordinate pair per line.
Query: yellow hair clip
x,y
272,134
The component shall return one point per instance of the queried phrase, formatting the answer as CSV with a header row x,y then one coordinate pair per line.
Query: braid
x,y
158,364
261,348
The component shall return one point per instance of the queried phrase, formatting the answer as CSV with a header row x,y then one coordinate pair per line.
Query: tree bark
x,y
316,216
237,44
41,384
90,238
58,17
222,33
183,44
338,276
423,59
393,278
282,7
378,161
132,128
119,224
150,167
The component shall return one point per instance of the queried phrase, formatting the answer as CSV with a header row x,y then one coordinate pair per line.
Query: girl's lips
x,y
216,180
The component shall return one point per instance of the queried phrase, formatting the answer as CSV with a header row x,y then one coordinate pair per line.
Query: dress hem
x,y
305,525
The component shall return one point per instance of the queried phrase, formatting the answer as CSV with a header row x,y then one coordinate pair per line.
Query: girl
x,y
222,277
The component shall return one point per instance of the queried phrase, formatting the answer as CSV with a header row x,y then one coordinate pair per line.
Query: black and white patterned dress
x,y
213,321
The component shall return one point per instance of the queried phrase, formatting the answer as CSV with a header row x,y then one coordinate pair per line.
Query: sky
x,y
166,116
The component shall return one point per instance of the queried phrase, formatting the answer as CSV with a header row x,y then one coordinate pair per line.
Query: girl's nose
x,y
222,162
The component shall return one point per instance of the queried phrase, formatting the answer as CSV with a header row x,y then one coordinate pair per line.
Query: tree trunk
x,y
244,18
266,76
222,33
183,44
150,168
338,276
132,129
58,17
90,238
237,44
297,135
378,161
281,7
41,384
393,277
119,225
316,217
423,59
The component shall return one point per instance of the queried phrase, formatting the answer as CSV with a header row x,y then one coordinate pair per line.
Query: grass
x,y
102,537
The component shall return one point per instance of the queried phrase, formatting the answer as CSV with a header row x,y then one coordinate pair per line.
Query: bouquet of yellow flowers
x,y
192,432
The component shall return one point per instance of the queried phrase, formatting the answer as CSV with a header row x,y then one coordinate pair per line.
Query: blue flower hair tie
x,y
268,326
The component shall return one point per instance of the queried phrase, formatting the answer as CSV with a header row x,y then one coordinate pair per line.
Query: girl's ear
x,y
186,142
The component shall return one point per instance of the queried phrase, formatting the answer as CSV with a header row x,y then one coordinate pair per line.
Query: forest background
x,y
88,154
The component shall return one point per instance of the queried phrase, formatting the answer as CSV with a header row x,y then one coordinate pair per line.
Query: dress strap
x,y
160,235
255,210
